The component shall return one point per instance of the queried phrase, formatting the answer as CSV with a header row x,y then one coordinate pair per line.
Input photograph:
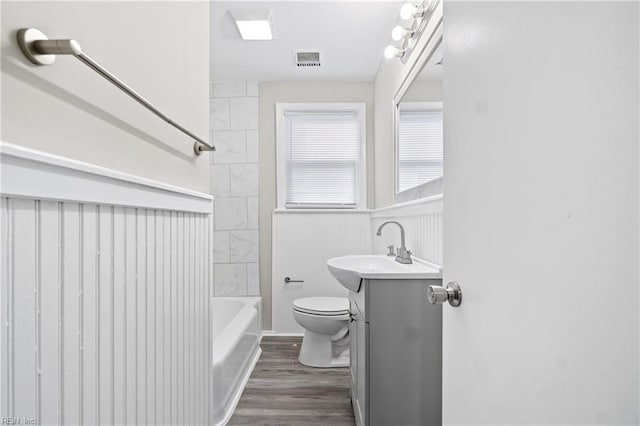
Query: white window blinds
x,y
321,159
420,151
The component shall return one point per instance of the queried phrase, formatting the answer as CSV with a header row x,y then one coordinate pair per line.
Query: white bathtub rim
x,y
230,336
231,407
255,301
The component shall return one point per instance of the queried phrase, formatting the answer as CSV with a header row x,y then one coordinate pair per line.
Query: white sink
x,y
349,270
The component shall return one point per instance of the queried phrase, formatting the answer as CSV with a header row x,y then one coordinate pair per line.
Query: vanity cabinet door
x,y
404,354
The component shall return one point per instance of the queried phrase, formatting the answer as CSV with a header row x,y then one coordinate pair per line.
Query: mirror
x,y
419,134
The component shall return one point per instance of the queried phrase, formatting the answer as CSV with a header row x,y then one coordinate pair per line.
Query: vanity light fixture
x,y
406,34
400,33
255,25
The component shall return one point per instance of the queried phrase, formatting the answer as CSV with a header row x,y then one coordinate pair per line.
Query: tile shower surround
x,y
234,184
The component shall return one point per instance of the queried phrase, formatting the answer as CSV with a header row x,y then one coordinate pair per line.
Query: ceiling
x,y
350,35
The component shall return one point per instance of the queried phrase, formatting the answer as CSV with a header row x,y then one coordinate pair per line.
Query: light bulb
x,y
410,10
397,33
400,33
391,52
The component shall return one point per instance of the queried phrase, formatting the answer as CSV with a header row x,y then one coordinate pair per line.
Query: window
x,y
420,151
320,155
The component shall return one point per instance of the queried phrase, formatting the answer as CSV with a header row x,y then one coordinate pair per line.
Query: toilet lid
x,y
322,305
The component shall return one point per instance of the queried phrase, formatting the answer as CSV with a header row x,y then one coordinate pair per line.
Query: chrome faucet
x,y
402,255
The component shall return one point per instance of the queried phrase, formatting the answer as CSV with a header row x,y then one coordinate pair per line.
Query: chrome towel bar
x,y
42,51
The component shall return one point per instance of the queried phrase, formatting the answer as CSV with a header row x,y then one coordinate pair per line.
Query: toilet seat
x,y
323,306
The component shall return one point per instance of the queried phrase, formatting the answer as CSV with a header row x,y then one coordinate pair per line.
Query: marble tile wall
x,y
234,184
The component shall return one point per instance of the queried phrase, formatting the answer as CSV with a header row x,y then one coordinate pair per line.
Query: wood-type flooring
x,y
281,391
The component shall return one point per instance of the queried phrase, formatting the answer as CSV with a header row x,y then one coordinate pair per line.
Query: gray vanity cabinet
x,y
396,353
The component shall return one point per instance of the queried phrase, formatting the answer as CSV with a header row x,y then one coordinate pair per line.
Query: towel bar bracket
x,y
40,50
26,40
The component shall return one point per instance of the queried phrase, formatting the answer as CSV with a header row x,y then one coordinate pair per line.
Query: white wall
x,y
234,184
270,94
161,49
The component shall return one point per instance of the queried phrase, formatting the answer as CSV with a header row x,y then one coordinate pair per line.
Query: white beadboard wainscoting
x,y
105,295
302,244
422,222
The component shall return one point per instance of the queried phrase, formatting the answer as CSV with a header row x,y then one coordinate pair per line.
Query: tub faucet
x,y
402,255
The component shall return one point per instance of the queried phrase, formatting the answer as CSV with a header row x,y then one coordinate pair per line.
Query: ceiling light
x,y
399,33
391,52
255,25
411,10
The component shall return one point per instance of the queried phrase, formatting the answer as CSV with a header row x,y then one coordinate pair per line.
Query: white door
x,y
541,213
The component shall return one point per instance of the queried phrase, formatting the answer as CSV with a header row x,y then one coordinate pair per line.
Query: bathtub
x,y
237,328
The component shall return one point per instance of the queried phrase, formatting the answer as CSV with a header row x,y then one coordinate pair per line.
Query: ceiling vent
x,y
307,59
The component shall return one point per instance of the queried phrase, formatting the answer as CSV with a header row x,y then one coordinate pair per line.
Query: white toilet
x,y
326,336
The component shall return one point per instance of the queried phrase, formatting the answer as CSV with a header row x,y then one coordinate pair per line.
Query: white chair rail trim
x,y
28,173
411,208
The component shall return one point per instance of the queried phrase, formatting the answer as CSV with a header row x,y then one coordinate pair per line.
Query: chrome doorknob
x,y
437,295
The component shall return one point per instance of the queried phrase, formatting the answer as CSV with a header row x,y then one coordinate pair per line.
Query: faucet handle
x,y
404,256
391,251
